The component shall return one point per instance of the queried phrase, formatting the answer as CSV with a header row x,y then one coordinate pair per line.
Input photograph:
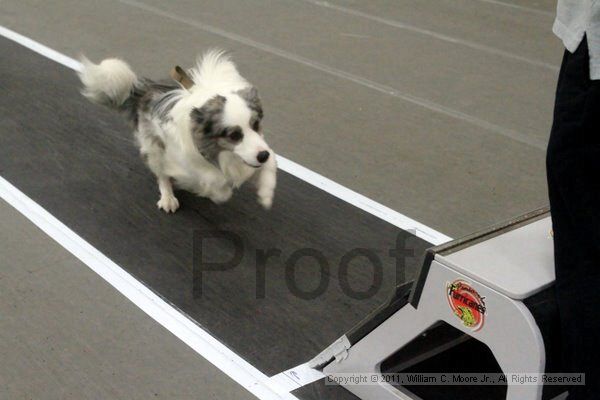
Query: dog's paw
x,y
169,204
265,201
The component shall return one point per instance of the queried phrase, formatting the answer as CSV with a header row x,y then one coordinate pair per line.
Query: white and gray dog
x,y
206,139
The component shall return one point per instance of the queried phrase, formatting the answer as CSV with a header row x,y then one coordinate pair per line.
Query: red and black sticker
x,y
466,304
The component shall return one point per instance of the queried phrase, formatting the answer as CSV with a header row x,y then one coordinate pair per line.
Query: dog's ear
x,y
207,116
250,95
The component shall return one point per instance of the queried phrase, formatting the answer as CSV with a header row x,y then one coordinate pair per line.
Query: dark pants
x,y
573,167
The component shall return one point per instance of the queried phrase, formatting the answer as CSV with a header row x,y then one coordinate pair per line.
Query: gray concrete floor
x,y
66,334
438,109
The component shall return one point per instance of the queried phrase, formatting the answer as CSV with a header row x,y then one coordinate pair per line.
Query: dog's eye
x,y
256,125
236,135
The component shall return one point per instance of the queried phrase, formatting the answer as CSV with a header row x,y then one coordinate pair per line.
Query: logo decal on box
x,y
466,304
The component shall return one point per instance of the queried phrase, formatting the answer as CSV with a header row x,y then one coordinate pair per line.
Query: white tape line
x,y
295,378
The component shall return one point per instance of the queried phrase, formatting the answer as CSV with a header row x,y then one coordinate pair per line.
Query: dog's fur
x,y
206,139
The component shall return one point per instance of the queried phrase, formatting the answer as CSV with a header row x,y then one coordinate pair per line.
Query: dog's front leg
x,y
266,180
168,201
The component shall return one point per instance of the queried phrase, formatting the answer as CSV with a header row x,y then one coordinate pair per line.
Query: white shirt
x,y
576,18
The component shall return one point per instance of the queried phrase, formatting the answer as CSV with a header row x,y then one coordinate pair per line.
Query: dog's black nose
x,y
262,156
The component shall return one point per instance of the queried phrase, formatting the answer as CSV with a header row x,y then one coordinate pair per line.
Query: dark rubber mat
x,y
320,390
79,162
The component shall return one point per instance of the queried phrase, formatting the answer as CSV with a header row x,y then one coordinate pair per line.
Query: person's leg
x,y
573,164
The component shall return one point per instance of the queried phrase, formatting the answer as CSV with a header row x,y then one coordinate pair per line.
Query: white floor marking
x,y
40,48
437,35
295,378
182,327
276,387
358,200
385,89
519,7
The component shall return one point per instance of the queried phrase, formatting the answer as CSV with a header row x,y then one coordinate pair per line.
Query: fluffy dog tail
x,y
109,83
